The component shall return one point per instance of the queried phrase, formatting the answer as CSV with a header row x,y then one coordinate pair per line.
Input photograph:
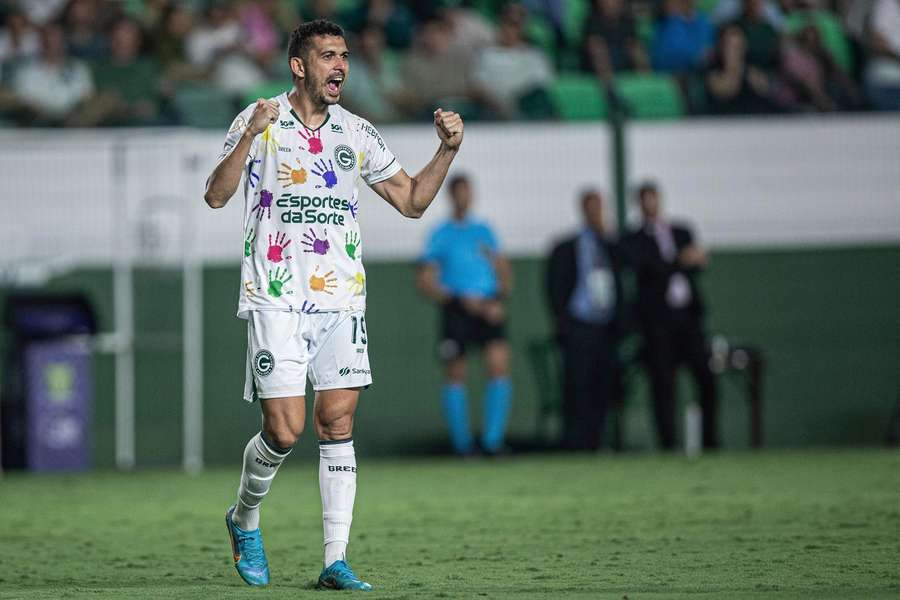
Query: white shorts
x,y
284,348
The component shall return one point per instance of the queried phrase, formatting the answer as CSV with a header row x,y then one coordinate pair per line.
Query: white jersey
x,y
302,246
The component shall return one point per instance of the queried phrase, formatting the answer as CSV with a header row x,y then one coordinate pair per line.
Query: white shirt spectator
x,y
885,22
505,73
42,11
28,47
53,89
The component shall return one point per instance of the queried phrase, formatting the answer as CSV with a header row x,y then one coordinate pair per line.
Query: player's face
x,y
325,69
592,204
650,204
462,198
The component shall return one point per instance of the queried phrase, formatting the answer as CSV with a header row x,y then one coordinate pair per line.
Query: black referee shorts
x,y
460,330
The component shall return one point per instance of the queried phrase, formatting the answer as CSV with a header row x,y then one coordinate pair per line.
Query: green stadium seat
x,y
831,33
540,32
578,97
650,96
574,18
204,106
707,6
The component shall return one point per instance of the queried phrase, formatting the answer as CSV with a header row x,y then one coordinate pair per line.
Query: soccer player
x,y
463,271
302,281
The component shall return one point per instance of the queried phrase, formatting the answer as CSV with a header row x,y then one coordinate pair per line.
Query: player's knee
x,y
284,435
335,427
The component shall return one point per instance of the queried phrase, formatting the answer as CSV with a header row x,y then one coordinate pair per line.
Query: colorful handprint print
x,y
250,289
264,205
252,177
313,138
277,249
277,281
325,283
316,244
354,209
326,172
308,308
357,284
267,139
351,244
248,242
289,175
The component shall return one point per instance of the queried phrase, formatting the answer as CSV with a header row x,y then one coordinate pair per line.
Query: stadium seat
x,y
650,96
577,97
203,107
540,32
574,18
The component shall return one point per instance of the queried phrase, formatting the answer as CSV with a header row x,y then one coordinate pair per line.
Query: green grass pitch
x,y
814,524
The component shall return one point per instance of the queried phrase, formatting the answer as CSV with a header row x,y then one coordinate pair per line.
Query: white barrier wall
x,y
75,197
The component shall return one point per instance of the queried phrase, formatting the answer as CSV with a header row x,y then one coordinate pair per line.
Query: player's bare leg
x,y
333,415
497,396
283,421
456,405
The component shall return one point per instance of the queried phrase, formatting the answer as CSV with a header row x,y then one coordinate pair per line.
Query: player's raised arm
x,y
412,195
226,177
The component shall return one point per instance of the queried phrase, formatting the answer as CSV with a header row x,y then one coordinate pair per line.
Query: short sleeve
x,y
234,135
432,253
378,162
490,240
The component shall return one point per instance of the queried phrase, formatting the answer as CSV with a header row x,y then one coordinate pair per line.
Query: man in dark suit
x,y
666,261
584,290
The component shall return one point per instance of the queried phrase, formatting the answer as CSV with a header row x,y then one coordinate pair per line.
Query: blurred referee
x,y
462,269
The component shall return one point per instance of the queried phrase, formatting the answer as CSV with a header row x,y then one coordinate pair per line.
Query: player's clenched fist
x,y
449,127
264,114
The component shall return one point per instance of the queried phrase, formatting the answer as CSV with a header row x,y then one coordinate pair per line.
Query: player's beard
x,y
315,90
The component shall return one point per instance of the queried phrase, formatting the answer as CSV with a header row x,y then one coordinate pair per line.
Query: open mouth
x,y
333,84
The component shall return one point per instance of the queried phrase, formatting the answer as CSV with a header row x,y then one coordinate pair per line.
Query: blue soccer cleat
x,y
247,550
339,576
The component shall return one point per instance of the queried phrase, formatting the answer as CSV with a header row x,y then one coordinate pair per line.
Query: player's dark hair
x,y
302,36
587,193
645,188
457,180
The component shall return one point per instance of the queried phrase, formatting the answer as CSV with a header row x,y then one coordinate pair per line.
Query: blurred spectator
x,y
40,12
320,9
469,30
763,50
374,82
584,289
726,11
218,44
610,41
463,271
732,85
393,18
53,87
683,37
262,38
83,38
435,74
128,82
882,75
19,40
813,77
512,68
171,34
667,260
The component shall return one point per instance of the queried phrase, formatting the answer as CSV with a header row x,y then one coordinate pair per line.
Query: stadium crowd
x,y
169,62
